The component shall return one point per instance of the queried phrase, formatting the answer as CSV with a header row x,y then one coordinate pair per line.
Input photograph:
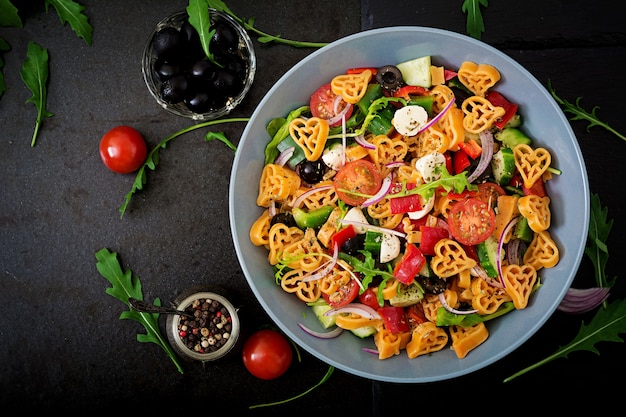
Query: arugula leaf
x,y
125,285
9,16
152,159
605,326
72,13
581,114
34,73
475,25
367,268
271,149
596,248
263,37
198,12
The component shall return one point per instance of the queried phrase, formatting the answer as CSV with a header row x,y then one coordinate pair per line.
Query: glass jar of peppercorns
x,y
209,331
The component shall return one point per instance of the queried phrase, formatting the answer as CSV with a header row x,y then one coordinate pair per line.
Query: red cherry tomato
x,y
345,294
360,176
489,193
322,105
369,298
123,149
267,354
471,221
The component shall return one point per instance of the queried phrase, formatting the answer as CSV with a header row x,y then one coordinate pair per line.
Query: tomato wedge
x,y
471,221
357,177
322,105
344,295
489,193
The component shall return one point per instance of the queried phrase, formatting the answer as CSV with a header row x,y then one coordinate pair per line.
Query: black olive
x,y
202,98
460,95
227,82
353,245
192,39
168,43
165,69
225,39
432,285
235,64
203,70
174,89
311,172
389,77
285,218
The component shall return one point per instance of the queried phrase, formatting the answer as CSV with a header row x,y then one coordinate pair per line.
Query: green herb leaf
x,y
9,16
72,13
367,269
475,25
605,326
152,159
221,137
263,37
124,285
34,73
271,149
596,249
581,114
324,379
198,12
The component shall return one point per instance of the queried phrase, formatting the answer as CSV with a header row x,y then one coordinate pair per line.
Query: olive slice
x,y
389,77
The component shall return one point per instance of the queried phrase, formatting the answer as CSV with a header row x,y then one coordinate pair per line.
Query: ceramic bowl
x,y
243,54
543,120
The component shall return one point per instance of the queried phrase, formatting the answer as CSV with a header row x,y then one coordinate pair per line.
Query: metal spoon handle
x,y
145,307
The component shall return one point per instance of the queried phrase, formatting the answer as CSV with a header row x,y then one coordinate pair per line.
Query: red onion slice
x,y
382,192
437,117
445,305
367,226
298,201
486,140
284,156
499,256
341,114
578,301
360,139
324,269
355,308
322,335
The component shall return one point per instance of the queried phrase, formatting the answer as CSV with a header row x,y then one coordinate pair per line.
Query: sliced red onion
x,y
486,140
479,271
284,156
437,117
514,250
445,305
324,269
578,301
322,335
341,114
298,201
395,164
360,139
367,226
499,256
271,211
382,192
370,350
355,308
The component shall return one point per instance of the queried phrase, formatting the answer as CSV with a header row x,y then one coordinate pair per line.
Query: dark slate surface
x,y
62,346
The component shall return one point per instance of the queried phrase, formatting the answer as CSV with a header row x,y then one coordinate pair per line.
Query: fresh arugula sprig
x,y
34,73
262,36
610,319
475,25
581,114
199,18
125,285
152,159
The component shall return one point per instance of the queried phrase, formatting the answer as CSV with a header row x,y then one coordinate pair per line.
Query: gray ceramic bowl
x,y
543,120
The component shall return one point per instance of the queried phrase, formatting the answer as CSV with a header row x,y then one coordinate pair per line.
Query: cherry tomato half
x,y
471,221
123,149
489,193
345,294
267,354
322,105
360,176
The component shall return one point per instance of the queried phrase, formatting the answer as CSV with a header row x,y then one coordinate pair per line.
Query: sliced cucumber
x,y
416,71
326,321
488,256
512,136
503,165
365,331
407,295
523,231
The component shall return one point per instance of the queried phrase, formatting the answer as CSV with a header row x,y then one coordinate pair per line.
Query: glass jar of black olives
x,y
181,77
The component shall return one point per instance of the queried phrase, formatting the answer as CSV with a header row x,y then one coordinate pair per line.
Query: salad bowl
x,y
543,120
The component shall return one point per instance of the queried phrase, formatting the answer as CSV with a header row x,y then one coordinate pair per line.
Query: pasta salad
x,y
407,204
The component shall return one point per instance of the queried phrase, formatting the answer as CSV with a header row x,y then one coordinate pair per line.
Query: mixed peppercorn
x,y
209,330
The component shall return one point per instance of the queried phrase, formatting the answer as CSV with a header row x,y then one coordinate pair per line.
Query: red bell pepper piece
x,y
410,90
471,148
410,265
394,318
407,203
538,188
340,237
430,237
449,161
361,69
510,109
449,74
415,314
460,161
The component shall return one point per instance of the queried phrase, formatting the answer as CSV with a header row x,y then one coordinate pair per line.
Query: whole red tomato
x,y
123,149
267,354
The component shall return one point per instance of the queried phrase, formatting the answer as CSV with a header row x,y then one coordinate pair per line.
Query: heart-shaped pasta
x,y
450,259
531,163
351,87
310,135
479,114
478,78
